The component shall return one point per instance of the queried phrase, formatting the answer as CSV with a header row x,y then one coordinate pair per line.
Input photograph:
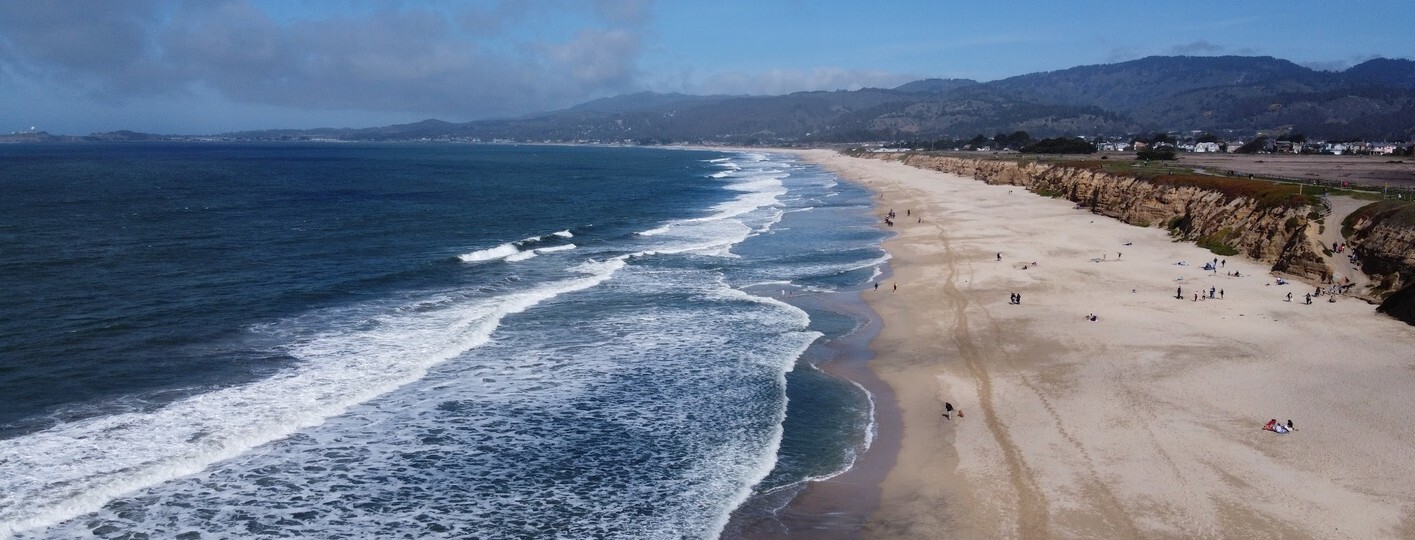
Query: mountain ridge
x,y
1236,96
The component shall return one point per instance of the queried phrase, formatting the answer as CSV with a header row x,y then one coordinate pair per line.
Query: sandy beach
x,y
1145,422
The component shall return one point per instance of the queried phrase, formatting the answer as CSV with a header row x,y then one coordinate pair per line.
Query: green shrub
x,y
1218,242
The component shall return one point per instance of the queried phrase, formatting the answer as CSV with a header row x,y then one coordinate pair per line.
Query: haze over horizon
x,y
78,67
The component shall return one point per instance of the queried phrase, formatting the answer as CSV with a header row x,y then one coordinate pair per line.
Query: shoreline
x,y
1145,422
839,507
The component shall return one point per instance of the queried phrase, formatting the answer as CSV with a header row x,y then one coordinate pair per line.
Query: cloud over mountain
x,y
463,63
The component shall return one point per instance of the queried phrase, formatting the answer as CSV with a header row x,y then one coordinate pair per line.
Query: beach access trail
x,y
1142,423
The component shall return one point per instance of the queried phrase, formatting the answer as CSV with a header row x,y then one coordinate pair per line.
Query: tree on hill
x,y
1156,154
1254,146
1016,139
1156,138
1060,145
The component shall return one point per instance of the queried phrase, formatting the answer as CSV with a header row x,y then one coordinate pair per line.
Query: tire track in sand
x,y
1032,507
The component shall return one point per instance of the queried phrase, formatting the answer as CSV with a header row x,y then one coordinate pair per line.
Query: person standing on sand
x,y
947,410
1289,296
876,285
999,257
1179,292
896,286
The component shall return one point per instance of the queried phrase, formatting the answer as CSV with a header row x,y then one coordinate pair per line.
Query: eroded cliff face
x,y
1283,236
1386,243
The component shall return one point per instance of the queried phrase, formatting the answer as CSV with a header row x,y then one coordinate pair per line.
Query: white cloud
x,y
433,61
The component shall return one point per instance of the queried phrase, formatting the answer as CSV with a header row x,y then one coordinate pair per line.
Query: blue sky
x,y
77,67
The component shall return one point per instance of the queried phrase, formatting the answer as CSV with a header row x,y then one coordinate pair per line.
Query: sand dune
x,y
1143,423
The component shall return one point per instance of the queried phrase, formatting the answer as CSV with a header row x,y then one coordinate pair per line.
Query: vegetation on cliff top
x,y
1060,145
1267,193
1397,213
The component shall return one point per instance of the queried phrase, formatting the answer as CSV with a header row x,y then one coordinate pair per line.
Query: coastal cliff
x,y
1384,236
1269,227
1266,222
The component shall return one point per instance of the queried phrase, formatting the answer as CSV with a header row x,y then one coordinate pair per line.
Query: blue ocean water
x,y
360,341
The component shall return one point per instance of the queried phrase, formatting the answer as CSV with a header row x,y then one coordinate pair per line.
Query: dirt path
x,y
1331,233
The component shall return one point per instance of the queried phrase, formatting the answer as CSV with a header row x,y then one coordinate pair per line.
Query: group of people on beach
x,y
1274,426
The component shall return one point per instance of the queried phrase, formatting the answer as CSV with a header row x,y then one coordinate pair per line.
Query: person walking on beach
x,y
999,257
896,286
1220,294
1289,296
947,410
876,285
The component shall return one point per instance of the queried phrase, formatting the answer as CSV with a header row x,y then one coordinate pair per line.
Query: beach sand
x,y
1144,423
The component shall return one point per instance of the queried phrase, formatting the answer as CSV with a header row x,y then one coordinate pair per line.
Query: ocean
x,y
315,340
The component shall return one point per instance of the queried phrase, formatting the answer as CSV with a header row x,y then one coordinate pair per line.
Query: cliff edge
x,y
1269,222
1383,234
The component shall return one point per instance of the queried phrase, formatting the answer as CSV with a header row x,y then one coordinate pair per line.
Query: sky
x,y
214,66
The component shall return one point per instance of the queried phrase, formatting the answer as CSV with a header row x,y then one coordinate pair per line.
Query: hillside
x,y
1229,95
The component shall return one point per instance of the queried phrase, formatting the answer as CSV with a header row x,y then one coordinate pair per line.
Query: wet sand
x,y
838,508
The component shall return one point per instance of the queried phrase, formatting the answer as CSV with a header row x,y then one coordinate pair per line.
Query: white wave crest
x,y
75,468
538,251
499,252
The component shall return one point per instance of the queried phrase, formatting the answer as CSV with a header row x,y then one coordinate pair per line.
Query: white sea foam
x,y
490,254
520,397
521,256
76,468
514,251
656,231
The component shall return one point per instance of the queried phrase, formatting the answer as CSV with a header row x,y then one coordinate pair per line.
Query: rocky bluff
x,y
1228,216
